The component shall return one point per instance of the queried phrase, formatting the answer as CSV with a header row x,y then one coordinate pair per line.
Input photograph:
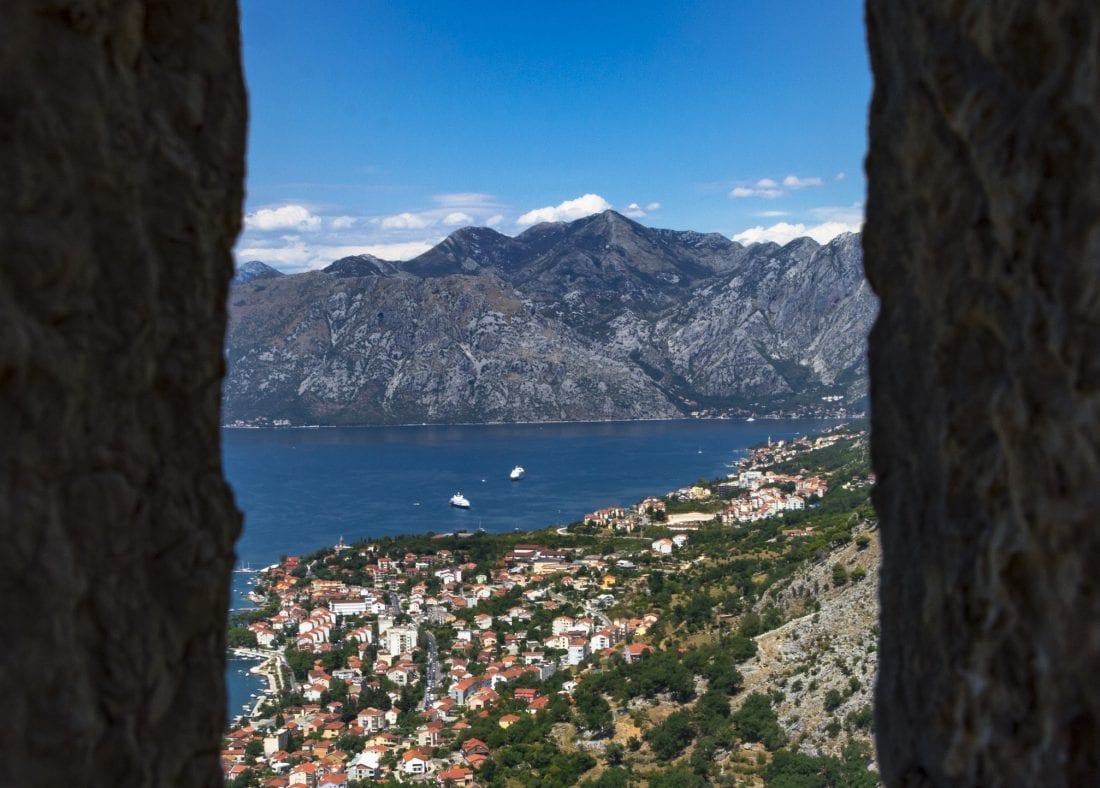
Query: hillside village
x,y
611,652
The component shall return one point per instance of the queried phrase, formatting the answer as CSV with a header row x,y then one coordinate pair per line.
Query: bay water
x,y
304,489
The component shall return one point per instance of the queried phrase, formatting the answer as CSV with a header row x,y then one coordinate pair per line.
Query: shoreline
x,y
266,666
582,422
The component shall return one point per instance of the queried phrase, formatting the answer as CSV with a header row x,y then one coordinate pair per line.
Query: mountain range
x,y
599,318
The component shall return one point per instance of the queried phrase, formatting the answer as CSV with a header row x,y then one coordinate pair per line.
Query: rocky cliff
x,y
600,318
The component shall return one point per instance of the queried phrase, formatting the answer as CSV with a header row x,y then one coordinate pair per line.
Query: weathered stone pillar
x,y
121,168
983,243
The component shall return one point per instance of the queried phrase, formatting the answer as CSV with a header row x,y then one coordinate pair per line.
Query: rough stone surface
x,y
821,650
121,159
983,243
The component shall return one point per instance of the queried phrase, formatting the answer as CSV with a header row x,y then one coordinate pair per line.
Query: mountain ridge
x,y
599,318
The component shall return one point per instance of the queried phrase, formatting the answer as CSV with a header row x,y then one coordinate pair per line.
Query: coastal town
x,y
468,658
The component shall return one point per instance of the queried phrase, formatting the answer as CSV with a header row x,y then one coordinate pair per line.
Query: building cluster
x,y
371,656
767,494
397,656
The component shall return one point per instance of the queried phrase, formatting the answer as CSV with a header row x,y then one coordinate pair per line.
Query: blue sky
x,y
382,127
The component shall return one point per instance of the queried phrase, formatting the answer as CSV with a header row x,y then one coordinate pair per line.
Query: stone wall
x,y
121,160
983,242
121,164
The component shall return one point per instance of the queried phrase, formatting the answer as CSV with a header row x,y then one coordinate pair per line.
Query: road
x,y
431,680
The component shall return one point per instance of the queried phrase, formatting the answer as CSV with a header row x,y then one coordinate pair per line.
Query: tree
x,y
337,690
862,719
612,778
711,708
350,743
679,777
757,721
614,754
593,711
406,702
750,625
797,770
300,662
840,575
669,739
656,582
240,637
702,758
741,647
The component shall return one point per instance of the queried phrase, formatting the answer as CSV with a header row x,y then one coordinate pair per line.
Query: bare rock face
x,y
600,318
121,159
983,243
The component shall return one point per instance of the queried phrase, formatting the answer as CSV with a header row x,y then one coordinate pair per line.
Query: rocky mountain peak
x,y
800,246
254,269
466,251
361,265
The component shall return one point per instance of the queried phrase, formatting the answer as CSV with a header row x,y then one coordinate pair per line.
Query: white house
x,y
400,639
349,607
562,624
663,546
414,762
372,720
578,651
367,764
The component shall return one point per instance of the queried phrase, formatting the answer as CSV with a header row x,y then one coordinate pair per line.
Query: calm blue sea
x,y
302,489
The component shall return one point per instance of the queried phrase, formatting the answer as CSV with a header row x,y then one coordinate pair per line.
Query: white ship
x,y
516,474
459,500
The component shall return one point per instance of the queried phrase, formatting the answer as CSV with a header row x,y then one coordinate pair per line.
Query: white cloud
x,y
294,255
285,217
765,187
771,214
567,211
847,214
464,199
784,232
794,182
635,211
297,238
457,217
769,189
406,221
840,176
393,251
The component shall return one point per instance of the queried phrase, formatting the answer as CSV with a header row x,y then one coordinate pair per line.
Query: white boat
x,y
516,474
459,500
